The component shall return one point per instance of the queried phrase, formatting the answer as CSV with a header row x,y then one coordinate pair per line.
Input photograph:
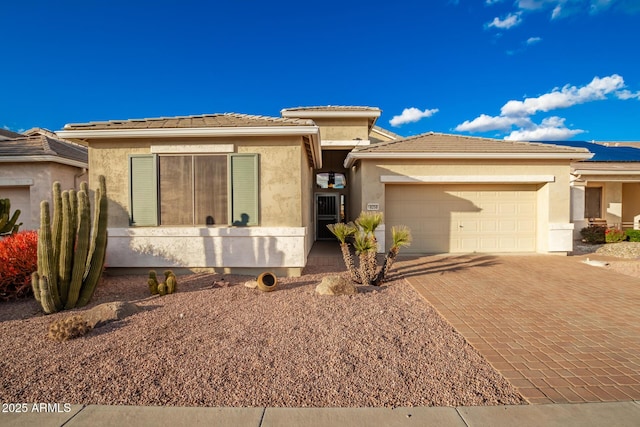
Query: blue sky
x,y
525,69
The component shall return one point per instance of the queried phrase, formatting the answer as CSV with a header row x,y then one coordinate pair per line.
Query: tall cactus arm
x,y
99,239
81,250
67,240
35,285
73,202
46,296
46,262
56,224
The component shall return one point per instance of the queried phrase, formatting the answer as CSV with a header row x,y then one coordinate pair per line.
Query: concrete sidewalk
x,y
566,415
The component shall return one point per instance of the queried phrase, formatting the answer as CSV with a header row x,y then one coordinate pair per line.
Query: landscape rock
x,y
109,312
251,284
336,285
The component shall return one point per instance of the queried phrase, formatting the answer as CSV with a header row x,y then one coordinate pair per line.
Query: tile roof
x,y
7,134
42,145
432,142
200,121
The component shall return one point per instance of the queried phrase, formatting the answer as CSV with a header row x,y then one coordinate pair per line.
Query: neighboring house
x,y
242,193
605,189
29,165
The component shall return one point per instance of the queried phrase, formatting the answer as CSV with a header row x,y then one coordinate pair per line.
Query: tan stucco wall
x,y
43,174
280,174
354,181
307,184
630,201
343,129
553,200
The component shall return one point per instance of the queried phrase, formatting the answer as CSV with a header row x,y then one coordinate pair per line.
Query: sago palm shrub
x,y
342,232
366,247
400,237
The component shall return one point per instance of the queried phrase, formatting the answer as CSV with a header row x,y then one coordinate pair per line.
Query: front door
x,y
327,212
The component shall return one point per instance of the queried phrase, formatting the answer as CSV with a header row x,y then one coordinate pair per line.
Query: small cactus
x,y
171,284
68,328
162,289
153,282
8,223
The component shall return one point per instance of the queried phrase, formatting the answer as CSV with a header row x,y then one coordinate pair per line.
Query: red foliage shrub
x,y
18,259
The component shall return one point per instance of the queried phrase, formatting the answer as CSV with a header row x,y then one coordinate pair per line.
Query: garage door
x,y
464,218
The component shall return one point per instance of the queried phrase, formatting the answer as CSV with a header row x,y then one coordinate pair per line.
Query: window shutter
x,y
143,190
243,186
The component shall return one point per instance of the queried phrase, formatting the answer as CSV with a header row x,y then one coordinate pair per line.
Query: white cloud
x,y
410,115
565,97
485,123
599,5
563,8
551,129
533,40
627,94
510,21
490,2
517,114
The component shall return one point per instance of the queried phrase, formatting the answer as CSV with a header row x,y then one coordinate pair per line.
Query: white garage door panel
x,y
464,218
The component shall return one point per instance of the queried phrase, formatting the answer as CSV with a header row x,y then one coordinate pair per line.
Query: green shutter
x,y
243,188
143,190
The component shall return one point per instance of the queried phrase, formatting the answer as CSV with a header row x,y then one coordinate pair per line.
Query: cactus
x,y
171,284
69,328
162,289
153,282
70,257
8,223
167,287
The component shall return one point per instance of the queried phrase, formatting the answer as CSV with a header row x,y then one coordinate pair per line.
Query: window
x,y
194,189
330,180
593,202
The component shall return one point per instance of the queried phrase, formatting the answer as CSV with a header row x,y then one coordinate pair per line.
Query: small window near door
x,y
330,180
593,202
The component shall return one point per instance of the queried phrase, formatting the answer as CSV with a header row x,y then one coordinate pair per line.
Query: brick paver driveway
x,y
558,329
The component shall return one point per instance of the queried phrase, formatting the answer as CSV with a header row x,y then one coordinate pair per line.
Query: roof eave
x,y
311,114
188,132
43,158
353,157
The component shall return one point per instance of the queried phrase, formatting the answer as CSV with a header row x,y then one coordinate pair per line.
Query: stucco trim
x,y
207,231
204,247
354,156
16,182
191,148
344,142
45,158
466,179
587,172
313,114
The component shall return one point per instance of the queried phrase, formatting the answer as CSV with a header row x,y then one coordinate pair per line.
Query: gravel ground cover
x,y
623,257
233,346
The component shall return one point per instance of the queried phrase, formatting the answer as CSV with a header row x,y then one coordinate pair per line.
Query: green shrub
x,y
614,235
633,235
593,234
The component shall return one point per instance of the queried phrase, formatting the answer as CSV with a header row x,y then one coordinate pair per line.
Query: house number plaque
x,y
373,206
